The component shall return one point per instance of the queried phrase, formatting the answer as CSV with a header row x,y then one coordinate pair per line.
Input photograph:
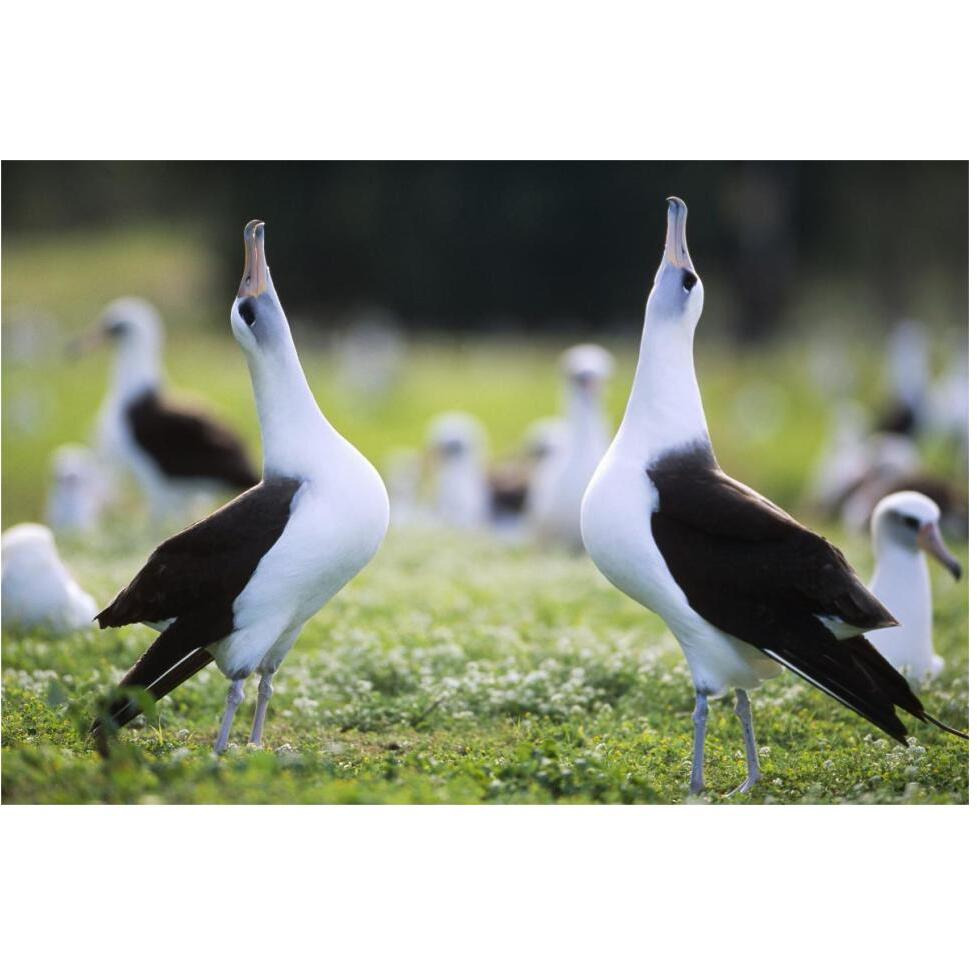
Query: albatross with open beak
x,y
905,527
744,587
238,587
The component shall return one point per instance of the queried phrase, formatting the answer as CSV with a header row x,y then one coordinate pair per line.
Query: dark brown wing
x,y
754,572
207,565
193,579
774,565
188,444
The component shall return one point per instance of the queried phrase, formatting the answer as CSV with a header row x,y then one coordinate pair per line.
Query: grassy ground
x,y
460,670
454,669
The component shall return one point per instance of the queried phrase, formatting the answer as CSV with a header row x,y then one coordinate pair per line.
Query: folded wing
x,y
752,571
189,444
189,585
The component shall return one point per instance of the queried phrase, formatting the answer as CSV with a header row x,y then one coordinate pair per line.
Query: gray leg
x,y
265,689
235,696
699,718
743,710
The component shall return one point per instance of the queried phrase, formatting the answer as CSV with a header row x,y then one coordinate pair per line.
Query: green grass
x,y
459,670
454,668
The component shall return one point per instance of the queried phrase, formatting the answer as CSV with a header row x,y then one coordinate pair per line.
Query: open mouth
x,y
255,278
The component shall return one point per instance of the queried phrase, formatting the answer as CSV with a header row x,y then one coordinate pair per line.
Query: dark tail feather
x,y
855,674
899,689
168,662
946,729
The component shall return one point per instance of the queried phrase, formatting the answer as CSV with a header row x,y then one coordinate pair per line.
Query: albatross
x,y
174,451
78,491
37,591
558,483
237,587
456,447
905,527
743,587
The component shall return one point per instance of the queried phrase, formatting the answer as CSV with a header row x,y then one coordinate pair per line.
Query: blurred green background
x,y
487,271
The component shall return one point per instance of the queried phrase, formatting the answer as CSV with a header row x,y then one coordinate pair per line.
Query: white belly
x,y
555,496
334,529
616,526
905,589
462,496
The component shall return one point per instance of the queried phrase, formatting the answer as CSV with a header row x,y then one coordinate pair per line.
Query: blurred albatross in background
x,y
38,591
559,481
78,491
174,451
456,449
906,526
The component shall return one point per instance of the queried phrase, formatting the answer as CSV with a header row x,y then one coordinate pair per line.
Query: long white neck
x,y
587,427
138,368
665,407
462,491
296,439
901,581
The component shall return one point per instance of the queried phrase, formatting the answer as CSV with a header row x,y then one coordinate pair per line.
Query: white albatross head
x,y
257,317
587,367
677,295
131,323
910,522
78,489
456,438
456,449
544,439
134,329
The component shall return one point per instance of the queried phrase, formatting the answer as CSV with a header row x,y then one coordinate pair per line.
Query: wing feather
x,y
754,572
194,578
190,444
209,563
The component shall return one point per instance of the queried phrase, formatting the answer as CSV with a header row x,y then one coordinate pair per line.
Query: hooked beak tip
x,y
676,245
931,541
253,229
254,281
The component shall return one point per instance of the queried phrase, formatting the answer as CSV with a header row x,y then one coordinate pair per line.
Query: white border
x,y
486,890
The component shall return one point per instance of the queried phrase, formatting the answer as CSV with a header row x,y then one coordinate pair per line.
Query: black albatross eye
x,y
688,281
246,312
911,521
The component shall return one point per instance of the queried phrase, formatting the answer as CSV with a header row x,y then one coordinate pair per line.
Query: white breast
x,y
462,495
616,527
557,489
337,521
901,582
